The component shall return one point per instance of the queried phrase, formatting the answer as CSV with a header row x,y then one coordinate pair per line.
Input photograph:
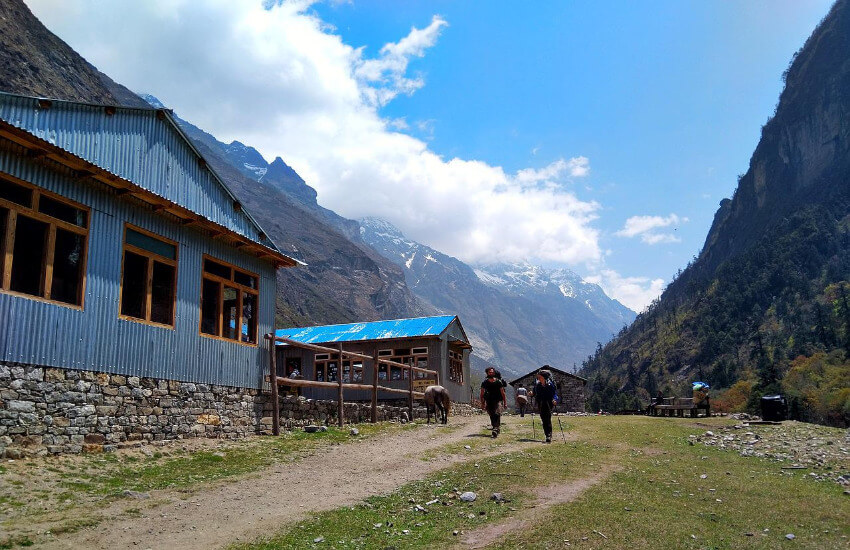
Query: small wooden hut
x,y
570,388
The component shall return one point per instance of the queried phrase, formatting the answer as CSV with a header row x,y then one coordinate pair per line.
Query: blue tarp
x,y
376,330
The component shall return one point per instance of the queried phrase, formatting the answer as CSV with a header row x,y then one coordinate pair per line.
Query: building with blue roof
x,y
123,253
438,343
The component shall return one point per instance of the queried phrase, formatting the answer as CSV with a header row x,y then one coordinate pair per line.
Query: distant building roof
x,y
553,369
376,330
142,152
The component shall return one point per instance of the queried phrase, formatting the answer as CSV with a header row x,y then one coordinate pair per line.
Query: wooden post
x,y
410,394
273,382
340,410
375,367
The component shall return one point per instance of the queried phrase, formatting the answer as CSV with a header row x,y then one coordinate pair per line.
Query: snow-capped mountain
x,y
525,279
517,316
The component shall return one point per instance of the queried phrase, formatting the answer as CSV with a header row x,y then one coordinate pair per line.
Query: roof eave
x,y
88,170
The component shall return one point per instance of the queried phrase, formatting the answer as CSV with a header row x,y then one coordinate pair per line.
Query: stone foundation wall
x,y
52,411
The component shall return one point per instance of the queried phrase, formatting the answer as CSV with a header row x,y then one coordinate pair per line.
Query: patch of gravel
x,y
818,452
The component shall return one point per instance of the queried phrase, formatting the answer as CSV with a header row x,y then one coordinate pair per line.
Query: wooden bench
x,y
676,406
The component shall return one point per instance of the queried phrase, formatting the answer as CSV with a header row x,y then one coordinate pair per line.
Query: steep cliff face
x,y
771,288
34,61
804,151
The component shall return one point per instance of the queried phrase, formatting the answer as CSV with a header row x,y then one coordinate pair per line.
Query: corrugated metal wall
x,y
40,333
135,145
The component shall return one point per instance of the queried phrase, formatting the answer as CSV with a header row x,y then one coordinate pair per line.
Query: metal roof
x,y
143,146
376,330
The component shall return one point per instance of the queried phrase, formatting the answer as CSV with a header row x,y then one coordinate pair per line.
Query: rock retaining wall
x,y
53,411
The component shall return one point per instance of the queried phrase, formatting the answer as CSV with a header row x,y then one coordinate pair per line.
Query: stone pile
x,y
819,452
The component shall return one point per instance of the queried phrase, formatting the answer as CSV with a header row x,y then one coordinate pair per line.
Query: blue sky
x,y
596,135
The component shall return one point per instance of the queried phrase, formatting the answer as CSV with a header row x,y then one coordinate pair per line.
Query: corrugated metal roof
x,y
144,146
376,330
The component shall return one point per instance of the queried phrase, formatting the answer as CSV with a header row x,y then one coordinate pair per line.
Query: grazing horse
x,y
437,398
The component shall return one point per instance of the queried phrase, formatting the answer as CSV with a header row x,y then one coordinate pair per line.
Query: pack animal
x,y
437,399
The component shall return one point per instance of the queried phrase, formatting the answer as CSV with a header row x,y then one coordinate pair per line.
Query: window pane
x,y
320,372
244,279
382,372
332,371
134,285
62,211
67,268
210,308
346,371
28,256
216,268
162,294
15,193
151,244
358,372
249,317
231,312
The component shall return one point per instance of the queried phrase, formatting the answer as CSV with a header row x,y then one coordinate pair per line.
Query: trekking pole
x,y
533,429
562,429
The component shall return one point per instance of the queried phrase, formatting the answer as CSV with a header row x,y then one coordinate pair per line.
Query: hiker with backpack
x,y
521,399
545,396
492,395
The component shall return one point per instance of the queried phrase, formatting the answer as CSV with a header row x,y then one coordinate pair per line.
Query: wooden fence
x,y
340,385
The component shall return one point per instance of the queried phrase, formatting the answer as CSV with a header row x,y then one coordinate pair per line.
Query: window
x,y
148,277
326,367
416,357
43,241
229,300
456,366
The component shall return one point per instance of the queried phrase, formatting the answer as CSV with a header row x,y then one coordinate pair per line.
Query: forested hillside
x,y
765,307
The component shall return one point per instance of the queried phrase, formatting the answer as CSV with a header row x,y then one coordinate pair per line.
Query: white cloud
x,y
634,292
280,79
645,226
385,76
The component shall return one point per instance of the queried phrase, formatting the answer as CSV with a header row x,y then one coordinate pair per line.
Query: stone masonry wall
x,y
53,411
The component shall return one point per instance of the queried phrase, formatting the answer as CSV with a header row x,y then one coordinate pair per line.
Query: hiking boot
x,y
548,439
495,433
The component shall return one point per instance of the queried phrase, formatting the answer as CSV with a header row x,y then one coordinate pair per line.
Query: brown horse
x,y
437,398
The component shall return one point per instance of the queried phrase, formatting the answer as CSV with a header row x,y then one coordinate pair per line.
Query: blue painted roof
x,y
143,146
376,330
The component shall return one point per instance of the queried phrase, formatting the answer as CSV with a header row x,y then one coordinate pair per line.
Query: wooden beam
x,y
273,373
302,383
340,410
375,364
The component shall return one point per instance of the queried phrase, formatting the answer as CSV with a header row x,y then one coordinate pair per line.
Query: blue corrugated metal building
x,y
121,251
437,343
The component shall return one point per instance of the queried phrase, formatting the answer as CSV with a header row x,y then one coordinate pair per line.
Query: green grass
x,y
656,497
741,502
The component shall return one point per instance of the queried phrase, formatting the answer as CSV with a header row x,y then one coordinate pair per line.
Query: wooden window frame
x,y
47,260
233,284
410,358
151,256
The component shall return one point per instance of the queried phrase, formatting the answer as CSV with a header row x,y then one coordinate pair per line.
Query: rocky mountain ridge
x,y
517,315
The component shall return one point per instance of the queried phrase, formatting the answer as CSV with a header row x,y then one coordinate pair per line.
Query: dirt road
x,y
257,505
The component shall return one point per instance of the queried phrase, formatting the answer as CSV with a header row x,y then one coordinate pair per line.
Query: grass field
x,y
660,491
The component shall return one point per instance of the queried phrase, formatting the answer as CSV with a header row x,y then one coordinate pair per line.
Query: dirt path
x,y
558,493
258,505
